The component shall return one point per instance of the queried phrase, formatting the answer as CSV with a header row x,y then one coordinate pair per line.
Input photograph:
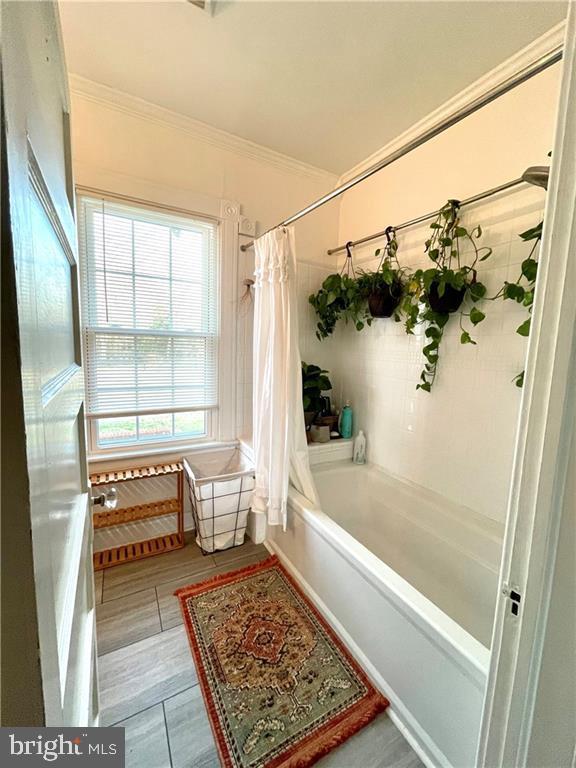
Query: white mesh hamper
x,y
220,484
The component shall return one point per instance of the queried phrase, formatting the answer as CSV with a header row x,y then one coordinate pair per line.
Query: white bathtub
x,y
409,580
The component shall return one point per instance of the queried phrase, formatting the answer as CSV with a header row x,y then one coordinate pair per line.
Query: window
x,y
150,313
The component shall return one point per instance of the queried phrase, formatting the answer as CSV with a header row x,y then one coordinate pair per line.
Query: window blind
x,y
150,309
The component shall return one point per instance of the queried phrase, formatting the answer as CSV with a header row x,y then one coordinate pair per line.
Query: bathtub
x,y
409,580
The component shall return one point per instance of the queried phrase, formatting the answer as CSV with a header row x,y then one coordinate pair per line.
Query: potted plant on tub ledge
x,y
314,382
434,294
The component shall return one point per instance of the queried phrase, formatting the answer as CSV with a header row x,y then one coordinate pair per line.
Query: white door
x,y
529,713
52,497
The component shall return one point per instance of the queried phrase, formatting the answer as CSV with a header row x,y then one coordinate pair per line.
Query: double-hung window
x,y
150,319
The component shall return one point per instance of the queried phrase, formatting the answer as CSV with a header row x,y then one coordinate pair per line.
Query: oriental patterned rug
x,y
280,689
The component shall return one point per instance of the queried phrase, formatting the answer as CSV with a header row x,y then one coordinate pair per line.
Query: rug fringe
x,y
322,744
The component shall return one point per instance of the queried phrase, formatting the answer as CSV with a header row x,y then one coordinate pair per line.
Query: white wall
x,y
125,142
127,146
457,440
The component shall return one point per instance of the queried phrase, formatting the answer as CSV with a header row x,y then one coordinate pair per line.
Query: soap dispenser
x,y
359,453
345,422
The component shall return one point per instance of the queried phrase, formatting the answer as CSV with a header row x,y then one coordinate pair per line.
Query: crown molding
x,y
132,105
546,43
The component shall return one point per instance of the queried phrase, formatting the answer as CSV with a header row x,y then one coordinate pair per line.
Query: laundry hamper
x,y
220,485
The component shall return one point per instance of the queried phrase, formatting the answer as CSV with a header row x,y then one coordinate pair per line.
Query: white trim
x,y
221,420
549,41
414,734
101,462
537,502
132,105
229,251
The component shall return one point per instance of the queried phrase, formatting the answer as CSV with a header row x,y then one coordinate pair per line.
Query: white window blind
x,y
150,308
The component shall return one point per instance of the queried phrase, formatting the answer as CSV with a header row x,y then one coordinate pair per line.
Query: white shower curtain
x,y
280,450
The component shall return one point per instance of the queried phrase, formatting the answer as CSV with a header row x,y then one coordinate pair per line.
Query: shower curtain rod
x,y
420,219
537,66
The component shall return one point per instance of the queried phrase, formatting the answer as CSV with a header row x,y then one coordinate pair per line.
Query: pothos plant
x,y
522,290
340,297
360,298
433,294
384,288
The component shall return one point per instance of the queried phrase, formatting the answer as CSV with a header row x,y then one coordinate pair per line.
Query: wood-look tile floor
x,y
148,683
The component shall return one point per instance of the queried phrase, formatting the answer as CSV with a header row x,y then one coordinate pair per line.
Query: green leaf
x,y
476,316
513,291
424,386
528,298
530,269
435,225
534,233
465,338
324,383
460,231
519,380
477,291
359,325
524,329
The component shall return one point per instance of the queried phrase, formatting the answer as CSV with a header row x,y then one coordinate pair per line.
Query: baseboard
x,y
414,734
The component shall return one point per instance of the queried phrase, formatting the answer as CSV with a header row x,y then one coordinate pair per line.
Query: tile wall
x,y
459,439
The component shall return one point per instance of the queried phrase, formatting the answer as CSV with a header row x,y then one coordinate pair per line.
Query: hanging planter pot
x,y
383,301
449,302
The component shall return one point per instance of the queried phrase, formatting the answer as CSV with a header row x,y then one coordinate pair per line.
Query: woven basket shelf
x,y
106,518
109,517
136,551
136,473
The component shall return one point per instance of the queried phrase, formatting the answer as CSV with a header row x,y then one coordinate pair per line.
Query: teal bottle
x,y
345,423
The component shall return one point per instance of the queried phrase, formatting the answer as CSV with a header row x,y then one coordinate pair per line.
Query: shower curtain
x,y
280,449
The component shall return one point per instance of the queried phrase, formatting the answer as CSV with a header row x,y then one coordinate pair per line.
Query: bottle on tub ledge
x,y
345,421
359,453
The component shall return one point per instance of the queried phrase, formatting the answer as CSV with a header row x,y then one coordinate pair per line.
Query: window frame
x,y
221,427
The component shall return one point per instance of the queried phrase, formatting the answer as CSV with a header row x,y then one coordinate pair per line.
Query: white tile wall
x,y
458,440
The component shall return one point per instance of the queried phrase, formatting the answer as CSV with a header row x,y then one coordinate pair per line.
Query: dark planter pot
x,y
384,301
309,417
449,302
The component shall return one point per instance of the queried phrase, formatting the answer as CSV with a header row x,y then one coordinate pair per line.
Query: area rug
x,y
280,689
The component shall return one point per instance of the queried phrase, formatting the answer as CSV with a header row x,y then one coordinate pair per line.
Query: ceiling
x,y
327,83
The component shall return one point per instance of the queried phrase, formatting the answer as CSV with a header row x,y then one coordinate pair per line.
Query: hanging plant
x,y
340,298
433,294
384,287
522,291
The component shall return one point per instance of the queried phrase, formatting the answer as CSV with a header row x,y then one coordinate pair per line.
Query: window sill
x,y
99,461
